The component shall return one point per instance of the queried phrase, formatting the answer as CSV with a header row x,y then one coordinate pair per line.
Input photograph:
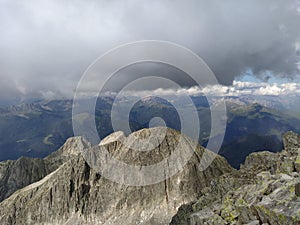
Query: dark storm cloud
x,y
45,46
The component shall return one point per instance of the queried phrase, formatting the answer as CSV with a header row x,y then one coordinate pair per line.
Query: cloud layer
x,y
45,46
238,88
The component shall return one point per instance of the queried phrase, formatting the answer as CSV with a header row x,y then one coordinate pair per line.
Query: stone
x,y
17,174
66,188
291,142
265,190
297,164
255,222
297,189
76,193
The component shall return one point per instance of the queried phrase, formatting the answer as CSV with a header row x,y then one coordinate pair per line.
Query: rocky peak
x,y
114,137
265,190
16,174
77,194
72,147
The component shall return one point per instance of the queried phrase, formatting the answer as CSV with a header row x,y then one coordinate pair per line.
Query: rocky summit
x,y
75,193
67,188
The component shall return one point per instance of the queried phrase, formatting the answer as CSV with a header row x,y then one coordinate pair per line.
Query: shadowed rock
x,y
17,174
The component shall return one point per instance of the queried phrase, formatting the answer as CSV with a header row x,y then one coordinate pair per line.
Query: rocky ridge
x,y
266,190
17,174
75,193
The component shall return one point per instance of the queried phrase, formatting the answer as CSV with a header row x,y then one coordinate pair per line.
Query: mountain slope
x,y
17,174
76,194
265,191
37,129
254,128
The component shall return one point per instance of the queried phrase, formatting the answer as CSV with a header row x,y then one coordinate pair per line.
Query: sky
x,y
45,46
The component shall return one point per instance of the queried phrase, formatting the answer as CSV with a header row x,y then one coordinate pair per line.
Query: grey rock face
x,y
75,193
264,191
17,174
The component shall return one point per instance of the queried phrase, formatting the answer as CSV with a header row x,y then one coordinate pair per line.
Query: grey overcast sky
x,y
45,46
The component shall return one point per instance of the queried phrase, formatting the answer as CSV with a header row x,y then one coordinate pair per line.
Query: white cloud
x,y
238,88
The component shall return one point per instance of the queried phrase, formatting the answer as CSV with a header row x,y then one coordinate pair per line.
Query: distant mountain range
x,y
38,128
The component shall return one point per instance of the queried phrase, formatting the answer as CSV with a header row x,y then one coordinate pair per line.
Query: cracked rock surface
x,y
264,191
67,187
76,193
17,174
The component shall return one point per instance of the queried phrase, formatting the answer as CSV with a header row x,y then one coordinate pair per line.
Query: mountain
x,y
266,190
17,174
37,129
254,128
282,103
76,194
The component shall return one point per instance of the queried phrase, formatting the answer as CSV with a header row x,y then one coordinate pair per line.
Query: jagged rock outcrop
x,y
75,193
72,148
291,142
265,190
17,174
